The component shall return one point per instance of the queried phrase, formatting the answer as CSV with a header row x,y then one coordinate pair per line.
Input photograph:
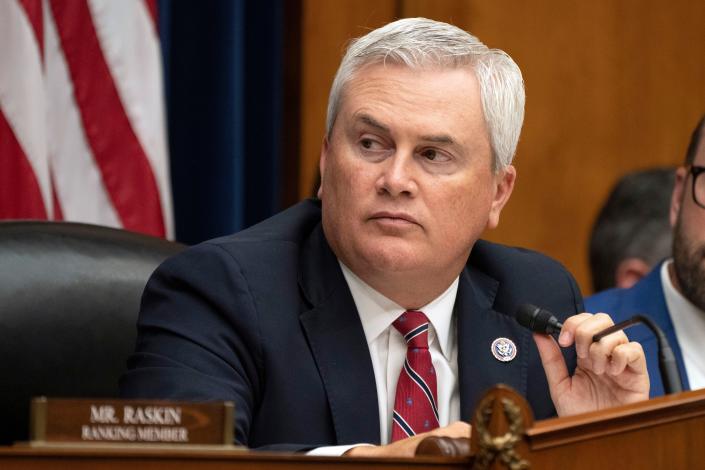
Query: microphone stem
x,y
617,327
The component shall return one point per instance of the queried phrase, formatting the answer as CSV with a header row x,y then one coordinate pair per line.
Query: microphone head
x,y
537,319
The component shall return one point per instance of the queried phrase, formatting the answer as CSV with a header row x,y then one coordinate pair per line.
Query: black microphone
x,y
538,319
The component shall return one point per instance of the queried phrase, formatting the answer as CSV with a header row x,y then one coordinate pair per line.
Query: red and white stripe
x,y
23,144
87,113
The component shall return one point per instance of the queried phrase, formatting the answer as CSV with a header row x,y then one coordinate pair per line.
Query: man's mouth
x,y
401,218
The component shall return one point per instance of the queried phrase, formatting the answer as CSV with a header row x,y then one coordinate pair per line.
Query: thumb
x,y
553,363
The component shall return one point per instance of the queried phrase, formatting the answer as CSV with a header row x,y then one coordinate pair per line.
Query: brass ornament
x,y
499,447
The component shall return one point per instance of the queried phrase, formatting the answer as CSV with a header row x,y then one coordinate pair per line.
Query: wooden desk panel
x,y
157,458
666,432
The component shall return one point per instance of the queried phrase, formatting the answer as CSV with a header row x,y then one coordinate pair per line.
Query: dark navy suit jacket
x,y
644,297
265,318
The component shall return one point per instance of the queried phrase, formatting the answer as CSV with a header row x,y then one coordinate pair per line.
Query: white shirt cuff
x,y
333,451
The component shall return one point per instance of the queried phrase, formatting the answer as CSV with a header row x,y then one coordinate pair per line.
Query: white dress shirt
x,y
689,323
388,351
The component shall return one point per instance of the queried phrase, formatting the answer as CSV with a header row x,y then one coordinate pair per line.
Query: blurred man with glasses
x,y
673,294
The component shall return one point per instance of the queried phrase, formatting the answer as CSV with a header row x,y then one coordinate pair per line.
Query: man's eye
x,y
429,154
370,144
434,155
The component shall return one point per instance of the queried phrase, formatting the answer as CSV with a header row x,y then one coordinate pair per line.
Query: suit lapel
x,y
337,340
478,326
647,297
338,344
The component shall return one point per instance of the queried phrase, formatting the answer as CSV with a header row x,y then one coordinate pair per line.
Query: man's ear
x,y
325,145
629,271
679,190
504,186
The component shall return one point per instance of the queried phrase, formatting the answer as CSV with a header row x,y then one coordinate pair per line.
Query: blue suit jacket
x,y
644,297
265,318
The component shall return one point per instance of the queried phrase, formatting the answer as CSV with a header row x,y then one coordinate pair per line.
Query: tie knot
x,y
413,326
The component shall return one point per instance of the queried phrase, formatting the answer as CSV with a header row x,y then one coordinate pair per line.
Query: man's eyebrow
x,y
440,139
370,121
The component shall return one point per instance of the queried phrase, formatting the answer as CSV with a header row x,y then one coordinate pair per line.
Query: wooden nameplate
x,y
103,421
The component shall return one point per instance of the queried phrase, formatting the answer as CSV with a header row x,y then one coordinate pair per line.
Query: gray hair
x,y
419,42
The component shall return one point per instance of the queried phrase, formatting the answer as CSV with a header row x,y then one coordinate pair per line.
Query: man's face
x,y
689,235
407,179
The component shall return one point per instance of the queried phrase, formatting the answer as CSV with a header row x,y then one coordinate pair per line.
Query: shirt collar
x,y
684,313
673,295
377,312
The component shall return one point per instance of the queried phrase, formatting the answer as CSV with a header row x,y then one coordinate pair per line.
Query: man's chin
x,y
392,259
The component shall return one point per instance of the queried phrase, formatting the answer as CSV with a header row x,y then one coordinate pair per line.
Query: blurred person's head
x,y
688,220
632,231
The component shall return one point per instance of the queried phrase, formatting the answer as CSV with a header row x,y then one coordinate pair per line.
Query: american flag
x,y
82,132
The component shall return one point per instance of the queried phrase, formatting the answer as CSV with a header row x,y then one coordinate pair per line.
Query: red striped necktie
x,y
415,408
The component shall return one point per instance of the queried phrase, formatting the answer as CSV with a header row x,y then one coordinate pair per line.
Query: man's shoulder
x,y
292,225
645,295
505,262
525,276
274,243
609,300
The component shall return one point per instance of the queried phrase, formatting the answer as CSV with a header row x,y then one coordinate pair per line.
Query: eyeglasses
x,y
698,185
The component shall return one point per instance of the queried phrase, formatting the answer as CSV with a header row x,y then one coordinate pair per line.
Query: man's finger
x,y
586,329
553,363
601,352
456,429
620,358
628,355
567,335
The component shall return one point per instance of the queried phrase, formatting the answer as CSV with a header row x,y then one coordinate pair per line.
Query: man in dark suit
x,y
373,318
673,293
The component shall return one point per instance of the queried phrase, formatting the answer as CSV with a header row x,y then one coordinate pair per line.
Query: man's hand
x,y
610,372
407,447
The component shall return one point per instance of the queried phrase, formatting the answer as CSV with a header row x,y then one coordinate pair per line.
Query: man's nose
x,y
398,175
